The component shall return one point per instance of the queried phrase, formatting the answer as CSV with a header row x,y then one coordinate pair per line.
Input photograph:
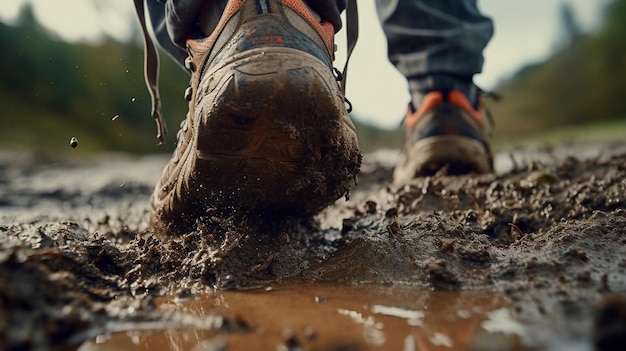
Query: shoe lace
x,y
492,95
352,33
339,77
151,73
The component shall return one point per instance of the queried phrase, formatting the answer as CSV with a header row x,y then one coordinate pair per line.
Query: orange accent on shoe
x,y
430,101
206,44
459,99
328,35
325,29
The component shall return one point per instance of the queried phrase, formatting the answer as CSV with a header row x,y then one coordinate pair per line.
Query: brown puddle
x,y
324,317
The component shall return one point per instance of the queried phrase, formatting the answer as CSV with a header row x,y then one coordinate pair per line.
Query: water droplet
x,y
133,99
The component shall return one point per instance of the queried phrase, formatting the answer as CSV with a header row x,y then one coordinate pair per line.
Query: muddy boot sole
x,y
271,136
458,154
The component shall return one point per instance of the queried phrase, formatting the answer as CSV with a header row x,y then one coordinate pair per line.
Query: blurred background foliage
x,y
582,86
51,90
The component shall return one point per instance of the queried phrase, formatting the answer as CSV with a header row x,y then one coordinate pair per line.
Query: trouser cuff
x,y
420,86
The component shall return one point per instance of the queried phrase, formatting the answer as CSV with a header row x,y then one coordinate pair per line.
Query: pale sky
x,y
525,32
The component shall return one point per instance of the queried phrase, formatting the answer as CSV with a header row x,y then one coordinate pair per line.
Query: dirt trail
x,y
546,234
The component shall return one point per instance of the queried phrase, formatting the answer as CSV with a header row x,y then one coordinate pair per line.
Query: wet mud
x,y
539,246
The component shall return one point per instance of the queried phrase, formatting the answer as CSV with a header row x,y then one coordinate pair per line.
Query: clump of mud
x,y
77,258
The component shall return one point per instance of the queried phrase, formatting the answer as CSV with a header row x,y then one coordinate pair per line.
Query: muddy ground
x,y
545,235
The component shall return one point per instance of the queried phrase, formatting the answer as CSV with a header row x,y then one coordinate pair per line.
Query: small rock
x,y
370,206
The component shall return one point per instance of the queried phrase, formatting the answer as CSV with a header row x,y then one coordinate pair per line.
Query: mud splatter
x,y
546,233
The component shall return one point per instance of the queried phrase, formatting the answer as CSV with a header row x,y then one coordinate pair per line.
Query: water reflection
x,y
326,317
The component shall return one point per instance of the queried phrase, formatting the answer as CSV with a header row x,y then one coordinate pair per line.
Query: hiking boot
x,y
267,129
445,131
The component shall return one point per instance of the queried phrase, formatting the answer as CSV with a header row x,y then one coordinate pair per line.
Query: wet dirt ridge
x,y
547,232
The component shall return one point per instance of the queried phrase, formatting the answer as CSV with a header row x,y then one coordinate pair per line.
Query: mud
x,y
541,241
